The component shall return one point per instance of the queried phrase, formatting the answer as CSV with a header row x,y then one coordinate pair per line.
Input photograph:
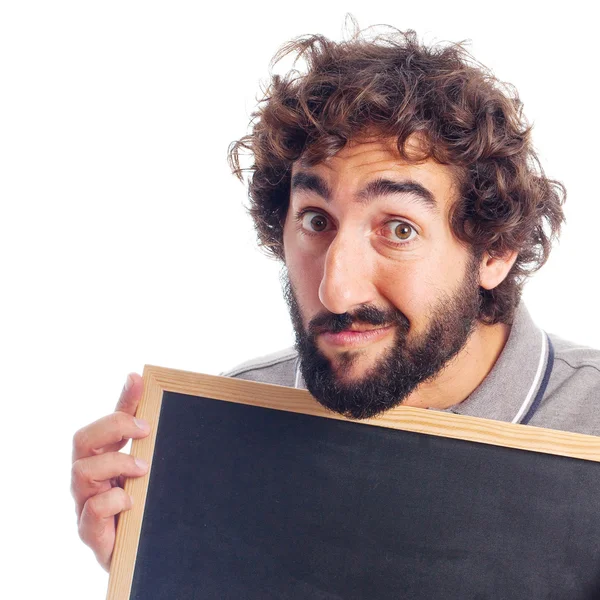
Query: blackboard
x,y
245,501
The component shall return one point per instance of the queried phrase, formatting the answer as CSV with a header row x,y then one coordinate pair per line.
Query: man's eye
x,y
314,221
400,231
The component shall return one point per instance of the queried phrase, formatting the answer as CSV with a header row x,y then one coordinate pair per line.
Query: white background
x,y
123,236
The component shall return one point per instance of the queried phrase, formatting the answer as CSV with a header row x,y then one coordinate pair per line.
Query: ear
x,y
494,269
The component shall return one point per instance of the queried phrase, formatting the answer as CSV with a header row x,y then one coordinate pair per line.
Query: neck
x,y
465,371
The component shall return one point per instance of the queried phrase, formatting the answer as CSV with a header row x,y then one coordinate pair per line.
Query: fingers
x,y
92,476
131,394
97,522
98,470
108,434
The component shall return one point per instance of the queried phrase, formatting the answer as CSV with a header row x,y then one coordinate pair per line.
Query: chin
x,y
353,366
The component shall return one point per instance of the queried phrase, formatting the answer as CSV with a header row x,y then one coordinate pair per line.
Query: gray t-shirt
x,y
538,379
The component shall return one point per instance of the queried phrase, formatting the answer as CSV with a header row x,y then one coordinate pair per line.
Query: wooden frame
x,y
159,380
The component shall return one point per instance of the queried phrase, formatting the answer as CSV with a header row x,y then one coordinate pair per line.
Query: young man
x,y
398,185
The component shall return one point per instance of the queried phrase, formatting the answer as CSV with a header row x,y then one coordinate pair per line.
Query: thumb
x,y
131,394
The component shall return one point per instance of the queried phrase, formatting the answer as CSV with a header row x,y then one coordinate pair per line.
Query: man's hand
x,y
99,471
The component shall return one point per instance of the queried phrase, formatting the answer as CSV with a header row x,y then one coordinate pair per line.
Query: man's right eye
x,y
314,221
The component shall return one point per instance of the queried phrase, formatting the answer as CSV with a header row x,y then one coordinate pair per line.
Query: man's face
x,y
381,294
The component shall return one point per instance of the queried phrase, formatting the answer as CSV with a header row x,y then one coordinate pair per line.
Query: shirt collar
x,y
511,386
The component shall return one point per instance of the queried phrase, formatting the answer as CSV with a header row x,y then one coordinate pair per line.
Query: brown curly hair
x,y
397,86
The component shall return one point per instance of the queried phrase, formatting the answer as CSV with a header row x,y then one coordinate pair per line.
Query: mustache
x,y
368,315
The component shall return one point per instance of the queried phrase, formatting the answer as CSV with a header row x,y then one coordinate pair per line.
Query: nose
x,y
348,273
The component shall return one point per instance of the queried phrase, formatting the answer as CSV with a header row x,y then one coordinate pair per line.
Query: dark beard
x,y
403,367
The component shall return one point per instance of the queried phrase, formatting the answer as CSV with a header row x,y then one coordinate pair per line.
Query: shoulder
x,y
572,398
576,356
278,368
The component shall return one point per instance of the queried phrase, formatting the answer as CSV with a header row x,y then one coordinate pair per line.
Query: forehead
x,y
360,162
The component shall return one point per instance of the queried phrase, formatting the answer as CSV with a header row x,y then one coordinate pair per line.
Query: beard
x,y
403,367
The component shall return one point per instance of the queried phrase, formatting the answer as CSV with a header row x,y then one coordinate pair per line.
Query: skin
x,y
353,262
99,470
351,256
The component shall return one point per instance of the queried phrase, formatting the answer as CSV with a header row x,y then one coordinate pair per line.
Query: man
x,y
398,185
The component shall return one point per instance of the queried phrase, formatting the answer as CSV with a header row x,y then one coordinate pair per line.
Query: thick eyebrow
x,y
387,187
311,183
376,188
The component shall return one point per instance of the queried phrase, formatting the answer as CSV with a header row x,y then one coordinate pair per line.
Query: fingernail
x,y
128,383
143,425
141,463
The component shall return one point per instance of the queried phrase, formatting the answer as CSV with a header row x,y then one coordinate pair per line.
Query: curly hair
x,y
397,86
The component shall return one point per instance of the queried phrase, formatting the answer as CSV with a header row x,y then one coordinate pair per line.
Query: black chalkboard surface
x,y
248,502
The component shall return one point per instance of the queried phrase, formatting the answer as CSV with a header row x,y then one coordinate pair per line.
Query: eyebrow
x,y
310,182
376,188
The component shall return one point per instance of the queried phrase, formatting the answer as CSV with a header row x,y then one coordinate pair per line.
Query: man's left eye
x,y
400,231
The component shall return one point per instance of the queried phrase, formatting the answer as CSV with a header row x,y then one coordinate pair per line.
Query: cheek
x,y
305,273
417,288
407,287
